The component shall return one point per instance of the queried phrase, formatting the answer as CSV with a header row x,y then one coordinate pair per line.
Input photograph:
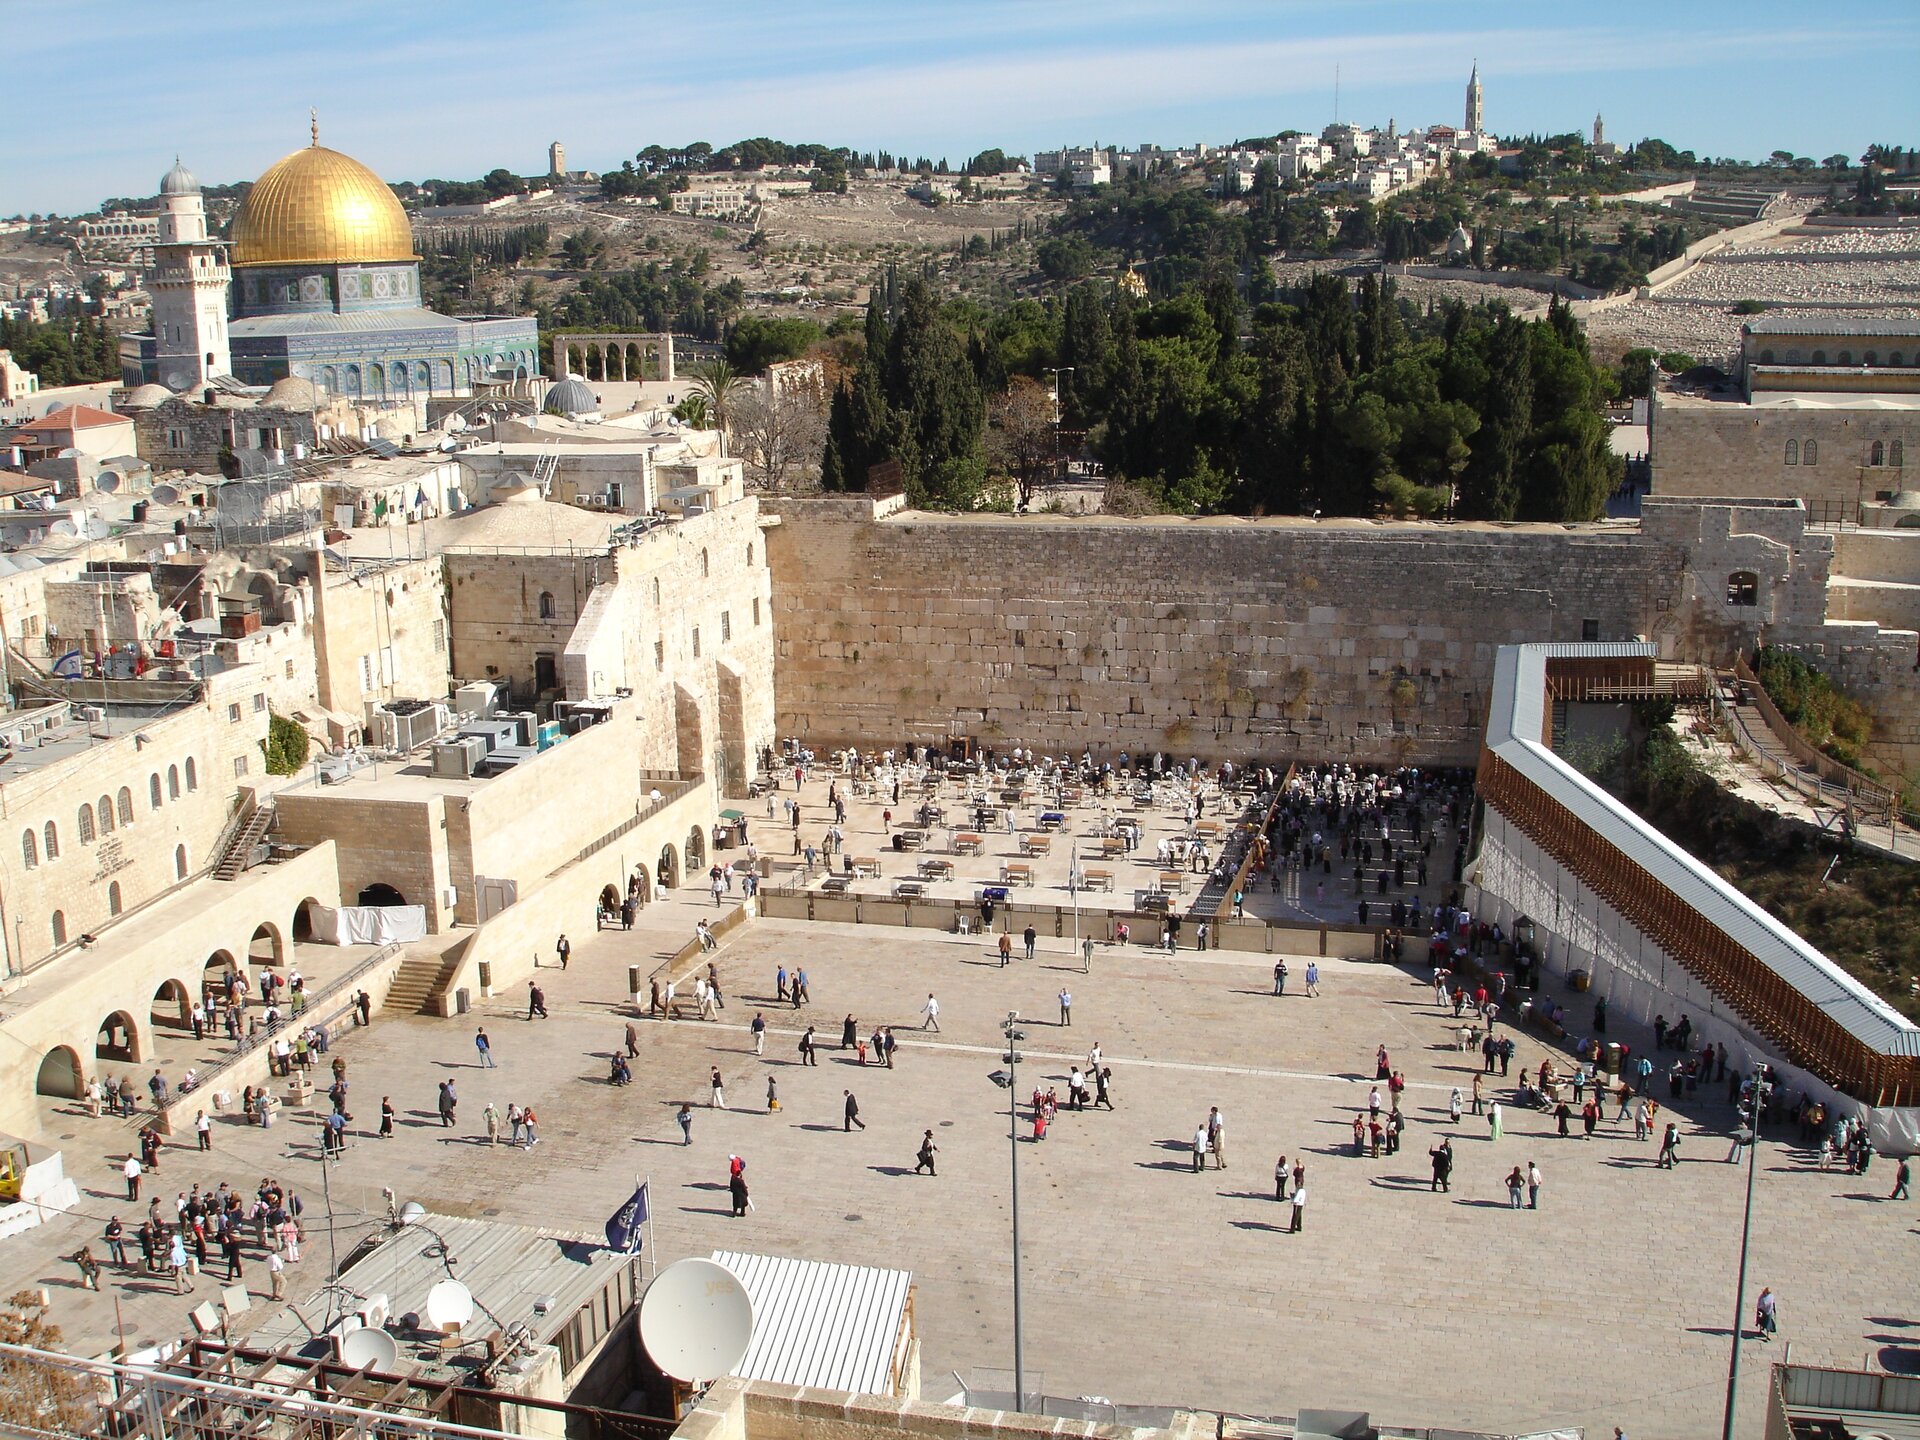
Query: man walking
x,y
1217,1137
633,1042
685,1117
1900,1177
759,1030
1669,1148
932,1011
485,1047
446,1103
1030,935
276,1271
1313,978
923,1163
564,949
1066,1006
717,1097
1280,977
807,1057
1299,1209
1006,950
852,1113
536,1000
1086,955
1442,1165
1199,1147
132,1172
492,1116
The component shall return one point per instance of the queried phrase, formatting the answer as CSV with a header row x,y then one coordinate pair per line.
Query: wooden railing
x,y
1866,794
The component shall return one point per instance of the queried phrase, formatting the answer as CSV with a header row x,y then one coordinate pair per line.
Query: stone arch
x,y
103,807
118,1039
303,920
113,897
59,926
30,848
696,848
641,884
422,377
376,381
1877,455
593,363
171,1007
443,375
125,804
350,382
193,776
218,964
1743,588
381,893
180,862
60,1075
153,790
668,868
52,839
266,947
173,782
636,361
610,898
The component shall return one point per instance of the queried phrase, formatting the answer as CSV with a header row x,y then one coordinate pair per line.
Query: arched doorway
x,y
214,973
609,900
170,1007
303,921
117,1041
641,885
381,894
265,948
668,870
696,849
60,1074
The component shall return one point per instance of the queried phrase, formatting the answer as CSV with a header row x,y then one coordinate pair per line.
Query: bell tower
x,y
1474,110
189,284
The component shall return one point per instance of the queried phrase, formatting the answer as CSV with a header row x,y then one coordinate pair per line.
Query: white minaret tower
x,y
189,284
1474,116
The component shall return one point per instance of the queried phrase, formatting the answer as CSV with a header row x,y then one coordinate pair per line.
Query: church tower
x,y
1474,116
189,283
1599,132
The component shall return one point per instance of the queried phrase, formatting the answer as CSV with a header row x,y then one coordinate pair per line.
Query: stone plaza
x,y
1144,1282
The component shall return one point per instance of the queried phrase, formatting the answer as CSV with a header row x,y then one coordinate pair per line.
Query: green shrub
x,y
285,746
1826,718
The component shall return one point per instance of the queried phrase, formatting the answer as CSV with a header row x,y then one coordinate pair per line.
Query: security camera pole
x,y
1009,1079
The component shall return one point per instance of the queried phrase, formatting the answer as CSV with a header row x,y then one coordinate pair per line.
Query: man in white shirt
x,y
133,1177
932,1011
277,1275
1299,1209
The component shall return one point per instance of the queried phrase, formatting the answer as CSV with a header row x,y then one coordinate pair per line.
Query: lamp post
x,y
1009,1079
1752,1125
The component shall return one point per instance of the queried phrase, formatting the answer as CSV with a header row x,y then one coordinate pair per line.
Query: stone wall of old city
x,y
1215,638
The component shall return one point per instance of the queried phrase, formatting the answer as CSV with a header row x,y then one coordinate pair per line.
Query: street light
x,y
1751,1131
1009,1080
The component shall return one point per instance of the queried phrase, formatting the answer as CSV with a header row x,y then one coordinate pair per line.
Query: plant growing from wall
x,y
1826,717
285,746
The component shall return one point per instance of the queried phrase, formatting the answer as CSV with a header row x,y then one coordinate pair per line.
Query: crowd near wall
x,y
1217,638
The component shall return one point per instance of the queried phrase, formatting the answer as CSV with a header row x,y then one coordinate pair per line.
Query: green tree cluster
x,y
757,341
915,398
286,745
72,350
649,297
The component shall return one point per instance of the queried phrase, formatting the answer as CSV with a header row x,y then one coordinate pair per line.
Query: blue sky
x,y
104,92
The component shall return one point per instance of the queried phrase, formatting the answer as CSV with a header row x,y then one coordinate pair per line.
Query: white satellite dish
x,y
696,1320
64,528
369,1349
449,1305
165,495
106,482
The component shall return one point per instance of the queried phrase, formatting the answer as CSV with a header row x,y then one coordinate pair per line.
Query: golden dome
x,y
319,206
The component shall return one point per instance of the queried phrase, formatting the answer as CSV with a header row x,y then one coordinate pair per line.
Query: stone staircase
x,y
420,980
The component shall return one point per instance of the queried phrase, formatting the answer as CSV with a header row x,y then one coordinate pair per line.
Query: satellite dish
x,y
165,495
106,482
696,1320
64,529
449,1305
455,424
411,1212
369,1349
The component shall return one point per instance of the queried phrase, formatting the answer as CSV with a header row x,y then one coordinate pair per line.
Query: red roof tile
x,y
73,417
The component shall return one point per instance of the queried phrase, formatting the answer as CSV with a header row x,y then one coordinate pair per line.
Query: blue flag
x,y
623,1226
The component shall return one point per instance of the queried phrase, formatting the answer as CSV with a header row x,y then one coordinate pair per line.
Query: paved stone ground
x,y
1144,1281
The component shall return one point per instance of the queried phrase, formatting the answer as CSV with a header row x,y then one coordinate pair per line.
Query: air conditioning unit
x,y
91,714
376,1312
526,726
479,699
459,758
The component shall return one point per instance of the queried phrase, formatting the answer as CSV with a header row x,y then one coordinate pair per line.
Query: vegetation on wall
x,y
286,745
1825,717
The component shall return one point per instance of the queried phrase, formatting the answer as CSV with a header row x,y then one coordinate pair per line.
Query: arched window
x,y
153,789
59,927
1793,452
105,807
86,824
179,862
656,589
113,898
173,782
126,806
1897,453
703,564
1896,358
1878,454
30,849
749,552
1819,357
193,779
1766,357
1809,453
1846,357
52,845
1872,357
546,605
1743,588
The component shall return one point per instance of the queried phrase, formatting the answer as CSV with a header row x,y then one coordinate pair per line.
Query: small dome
x,y
571,397
145,397
290,392
179,180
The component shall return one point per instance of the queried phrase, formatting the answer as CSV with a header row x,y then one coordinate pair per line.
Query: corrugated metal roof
x,y
1515,723
1831,325
815,1323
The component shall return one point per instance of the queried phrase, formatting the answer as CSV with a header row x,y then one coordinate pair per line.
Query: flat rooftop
x,y
63,741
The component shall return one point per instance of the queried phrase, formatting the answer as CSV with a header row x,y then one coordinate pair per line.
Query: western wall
x,y
1215,638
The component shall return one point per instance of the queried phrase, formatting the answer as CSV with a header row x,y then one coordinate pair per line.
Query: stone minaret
x,y
189,284
1474,115
557,160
